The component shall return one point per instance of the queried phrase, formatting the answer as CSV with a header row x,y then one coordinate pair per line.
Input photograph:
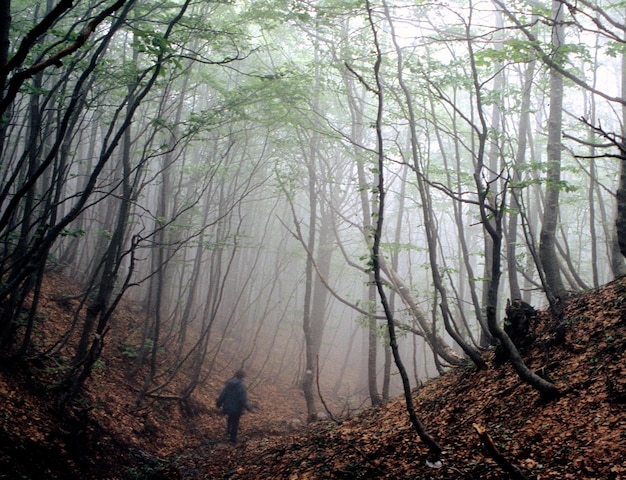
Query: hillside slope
x,y
104,437
581,435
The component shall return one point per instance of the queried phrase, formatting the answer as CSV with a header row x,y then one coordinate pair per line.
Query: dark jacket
x,y
233,398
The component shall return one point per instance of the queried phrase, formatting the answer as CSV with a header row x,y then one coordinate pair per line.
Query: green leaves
x,y
72,232
511,51
151,42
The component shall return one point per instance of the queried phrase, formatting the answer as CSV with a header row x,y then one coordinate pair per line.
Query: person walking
x,y
233,400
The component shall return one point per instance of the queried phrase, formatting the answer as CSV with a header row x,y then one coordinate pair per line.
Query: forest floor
x,y
580,435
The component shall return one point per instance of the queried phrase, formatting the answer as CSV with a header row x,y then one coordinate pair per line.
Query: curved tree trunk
x,y
357,106
491,210
433,339
314,300
433,447
429,223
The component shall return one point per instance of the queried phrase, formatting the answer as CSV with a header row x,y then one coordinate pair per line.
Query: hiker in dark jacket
x,y
233,400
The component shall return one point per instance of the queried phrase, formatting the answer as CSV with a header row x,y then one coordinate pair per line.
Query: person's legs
x,y
232,427
228,425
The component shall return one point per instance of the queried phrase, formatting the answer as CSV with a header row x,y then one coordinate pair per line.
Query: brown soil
x,y
580,435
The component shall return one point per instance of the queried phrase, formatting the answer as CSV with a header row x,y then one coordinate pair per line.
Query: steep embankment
x,y
108,439
581,435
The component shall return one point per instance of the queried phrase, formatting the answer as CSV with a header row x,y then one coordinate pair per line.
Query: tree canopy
x,y
310,189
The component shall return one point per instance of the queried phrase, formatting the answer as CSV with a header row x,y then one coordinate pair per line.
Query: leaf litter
x,y
580,435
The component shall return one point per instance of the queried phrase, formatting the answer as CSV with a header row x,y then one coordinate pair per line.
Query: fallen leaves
x,y
581,435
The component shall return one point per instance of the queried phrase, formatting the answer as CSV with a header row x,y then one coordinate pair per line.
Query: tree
x,y
547,242
357,104
516,180
434,448
18,266
429,222
101,308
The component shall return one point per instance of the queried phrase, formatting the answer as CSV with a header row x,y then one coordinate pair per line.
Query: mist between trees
x,y
305,188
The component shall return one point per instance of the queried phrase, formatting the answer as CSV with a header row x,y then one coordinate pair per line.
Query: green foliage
x,y
561,185
150,42
270,14
105,233
576,50
99,365
72,232
85,404
151,470
512,51
394,247
61,365
615,49
130,351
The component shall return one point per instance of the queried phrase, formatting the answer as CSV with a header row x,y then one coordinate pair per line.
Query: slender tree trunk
x,y
434,340
460,222
395,263
491,173
308,380
433,447
592,183
320,292
356,108
429,223
520,160
491,214
372,346
98,312
619,239
5,42
547,240
313,316
37,253
5,45
344,365
100,307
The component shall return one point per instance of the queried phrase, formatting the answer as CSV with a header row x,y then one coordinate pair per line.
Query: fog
x,y
218,167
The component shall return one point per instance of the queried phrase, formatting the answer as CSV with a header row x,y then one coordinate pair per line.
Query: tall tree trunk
x,y
320,292
618,249
460,222
357,106
372,346
98,312
593,179
547,240
101,308
308,380
433,447
428,214
313,316
491,210
32,259
395,263
520,160
5,42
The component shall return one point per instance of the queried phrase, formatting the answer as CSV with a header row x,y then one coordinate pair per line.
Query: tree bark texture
x,y
547,239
